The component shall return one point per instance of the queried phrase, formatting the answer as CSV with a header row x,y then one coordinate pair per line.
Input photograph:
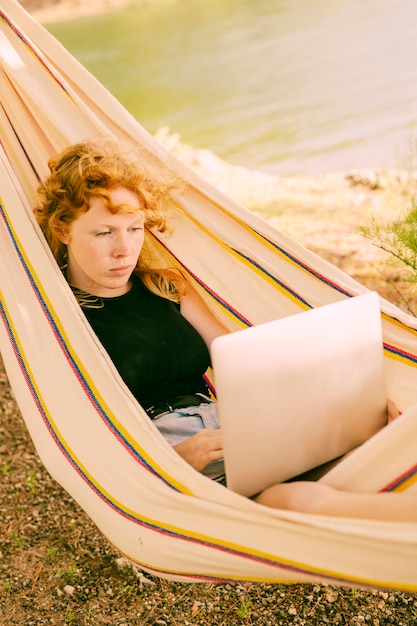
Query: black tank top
x,y
157,352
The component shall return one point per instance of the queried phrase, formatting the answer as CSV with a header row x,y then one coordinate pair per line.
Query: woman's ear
x,y
62,233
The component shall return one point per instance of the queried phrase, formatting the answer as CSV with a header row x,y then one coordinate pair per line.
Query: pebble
x,y
331,595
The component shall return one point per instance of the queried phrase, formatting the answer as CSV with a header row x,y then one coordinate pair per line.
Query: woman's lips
x,y
121,270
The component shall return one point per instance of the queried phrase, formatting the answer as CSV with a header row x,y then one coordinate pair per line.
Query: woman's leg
x,y
320,499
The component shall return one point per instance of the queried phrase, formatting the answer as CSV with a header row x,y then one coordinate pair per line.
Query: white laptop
x,y
300,391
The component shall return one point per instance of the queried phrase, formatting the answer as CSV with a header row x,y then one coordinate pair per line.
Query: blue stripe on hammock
x,y
74,366
305,267
52,431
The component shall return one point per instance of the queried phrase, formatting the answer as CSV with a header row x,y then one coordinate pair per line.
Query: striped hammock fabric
x,y
91,434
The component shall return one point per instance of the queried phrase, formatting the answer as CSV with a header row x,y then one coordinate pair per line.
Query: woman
x,y
96,208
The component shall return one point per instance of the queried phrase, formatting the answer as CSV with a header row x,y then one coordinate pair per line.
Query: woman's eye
x,y
103,233
136,228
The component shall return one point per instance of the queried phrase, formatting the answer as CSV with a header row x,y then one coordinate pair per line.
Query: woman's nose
x,y
121,247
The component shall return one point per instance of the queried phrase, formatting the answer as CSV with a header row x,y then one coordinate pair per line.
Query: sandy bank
x,y
323,211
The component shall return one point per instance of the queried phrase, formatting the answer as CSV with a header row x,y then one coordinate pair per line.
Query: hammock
x,y
91,434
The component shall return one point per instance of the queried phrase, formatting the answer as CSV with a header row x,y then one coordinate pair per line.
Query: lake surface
x,y
284,86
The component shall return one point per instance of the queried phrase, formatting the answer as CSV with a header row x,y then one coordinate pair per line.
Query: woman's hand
x,y
201,449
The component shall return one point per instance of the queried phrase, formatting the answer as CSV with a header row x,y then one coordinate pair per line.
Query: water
x,y
282,86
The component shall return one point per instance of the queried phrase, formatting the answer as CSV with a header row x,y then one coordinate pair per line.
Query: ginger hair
x,y
93,169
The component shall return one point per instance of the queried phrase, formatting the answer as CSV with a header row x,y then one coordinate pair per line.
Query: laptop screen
x,y
300,391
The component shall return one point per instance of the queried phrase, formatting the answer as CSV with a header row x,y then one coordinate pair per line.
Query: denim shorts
x,y
181,424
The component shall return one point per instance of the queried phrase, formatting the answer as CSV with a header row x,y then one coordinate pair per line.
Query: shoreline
x,y
321,211
47,12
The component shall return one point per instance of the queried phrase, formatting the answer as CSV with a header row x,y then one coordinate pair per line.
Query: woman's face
x,y
103,248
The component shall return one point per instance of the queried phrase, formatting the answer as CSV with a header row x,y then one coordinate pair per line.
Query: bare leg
x,y
319,499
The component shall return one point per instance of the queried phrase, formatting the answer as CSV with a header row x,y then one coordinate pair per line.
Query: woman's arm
x,y
196,312
206,446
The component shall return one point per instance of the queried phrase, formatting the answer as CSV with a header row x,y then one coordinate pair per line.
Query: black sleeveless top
x,y
157,352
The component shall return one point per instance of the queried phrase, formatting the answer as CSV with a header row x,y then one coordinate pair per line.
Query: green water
x,y
284,86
